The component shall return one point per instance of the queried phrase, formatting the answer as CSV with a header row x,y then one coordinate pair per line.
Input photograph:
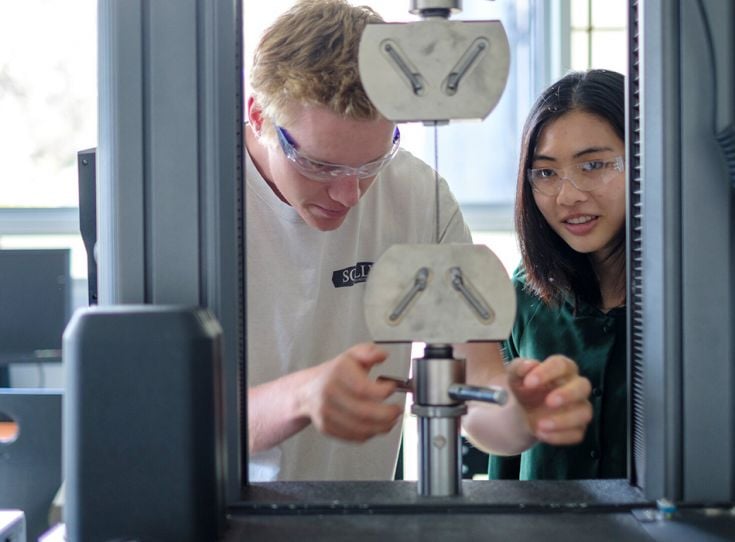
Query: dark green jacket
x,y
596,341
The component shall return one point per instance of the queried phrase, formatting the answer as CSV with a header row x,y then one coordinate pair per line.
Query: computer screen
x,y
35,304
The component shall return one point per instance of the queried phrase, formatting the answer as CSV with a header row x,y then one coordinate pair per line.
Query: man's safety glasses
x,y
326,171
585,176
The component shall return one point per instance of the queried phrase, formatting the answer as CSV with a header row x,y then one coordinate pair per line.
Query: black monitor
x,y
35,304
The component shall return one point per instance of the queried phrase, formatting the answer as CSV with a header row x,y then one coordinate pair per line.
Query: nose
x,y
345,190
569,194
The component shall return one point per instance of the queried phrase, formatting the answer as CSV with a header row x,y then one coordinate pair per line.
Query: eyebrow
x,y
578,154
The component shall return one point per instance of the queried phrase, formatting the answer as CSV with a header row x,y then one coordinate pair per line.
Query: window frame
x,y
38,221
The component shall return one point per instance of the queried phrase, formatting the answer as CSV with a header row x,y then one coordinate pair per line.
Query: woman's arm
x,y
548,401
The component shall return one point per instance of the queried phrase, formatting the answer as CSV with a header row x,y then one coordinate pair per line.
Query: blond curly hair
x,y
308,56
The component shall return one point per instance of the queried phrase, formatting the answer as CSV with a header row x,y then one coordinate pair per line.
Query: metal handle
x,y
463,392
401,384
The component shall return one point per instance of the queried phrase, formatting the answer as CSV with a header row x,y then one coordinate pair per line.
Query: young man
x,y
328,190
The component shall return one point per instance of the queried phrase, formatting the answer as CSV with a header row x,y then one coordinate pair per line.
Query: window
x,y
598,34
48,99
48,103
48,107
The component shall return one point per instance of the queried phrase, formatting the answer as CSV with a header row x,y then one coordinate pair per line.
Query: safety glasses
x,y
585,176
326,171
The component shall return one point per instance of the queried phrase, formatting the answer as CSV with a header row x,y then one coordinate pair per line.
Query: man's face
x,y
321,136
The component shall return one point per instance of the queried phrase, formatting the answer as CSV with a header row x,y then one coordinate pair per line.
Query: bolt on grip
x,y
459,392
463,392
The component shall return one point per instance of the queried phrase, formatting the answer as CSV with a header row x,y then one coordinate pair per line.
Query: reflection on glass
x,y
9,430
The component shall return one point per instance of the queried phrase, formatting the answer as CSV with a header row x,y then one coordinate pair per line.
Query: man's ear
x,y
255,115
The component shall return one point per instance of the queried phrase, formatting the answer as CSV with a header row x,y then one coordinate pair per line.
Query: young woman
x,y
570,220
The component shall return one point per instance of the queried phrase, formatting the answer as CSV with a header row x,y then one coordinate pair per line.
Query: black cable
x,y
436,180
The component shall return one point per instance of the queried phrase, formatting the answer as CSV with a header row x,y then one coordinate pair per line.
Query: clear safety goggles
x,y
585,176
326,171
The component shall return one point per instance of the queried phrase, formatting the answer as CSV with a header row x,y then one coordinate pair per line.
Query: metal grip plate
x,y
434,70
439,312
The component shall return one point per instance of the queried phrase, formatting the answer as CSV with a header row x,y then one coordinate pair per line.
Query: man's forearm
x,y
275,411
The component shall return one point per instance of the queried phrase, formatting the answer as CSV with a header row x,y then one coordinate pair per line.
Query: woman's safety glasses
x,y
585,176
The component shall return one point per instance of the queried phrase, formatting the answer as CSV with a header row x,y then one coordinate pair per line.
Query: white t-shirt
x,y
305,292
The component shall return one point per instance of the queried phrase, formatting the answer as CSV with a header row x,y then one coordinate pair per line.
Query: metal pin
x,y
414,78
464,65
491,394
402,384
419,285
477,304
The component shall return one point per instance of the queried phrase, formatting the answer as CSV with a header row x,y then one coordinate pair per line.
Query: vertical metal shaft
x,y
440,468
439,420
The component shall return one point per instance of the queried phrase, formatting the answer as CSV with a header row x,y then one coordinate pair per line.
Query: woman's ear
x,y
255,115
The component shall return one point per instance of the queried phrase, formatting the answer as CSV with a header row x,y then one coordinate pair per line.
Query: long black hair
x,y
553,269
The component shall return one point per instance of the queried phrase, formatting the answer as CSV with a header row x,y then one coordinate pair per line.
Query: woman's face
x,y
575,151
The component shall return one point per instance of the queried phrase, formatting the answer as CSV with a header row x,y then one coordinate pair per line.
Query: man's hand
x,y
554,397
342,401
